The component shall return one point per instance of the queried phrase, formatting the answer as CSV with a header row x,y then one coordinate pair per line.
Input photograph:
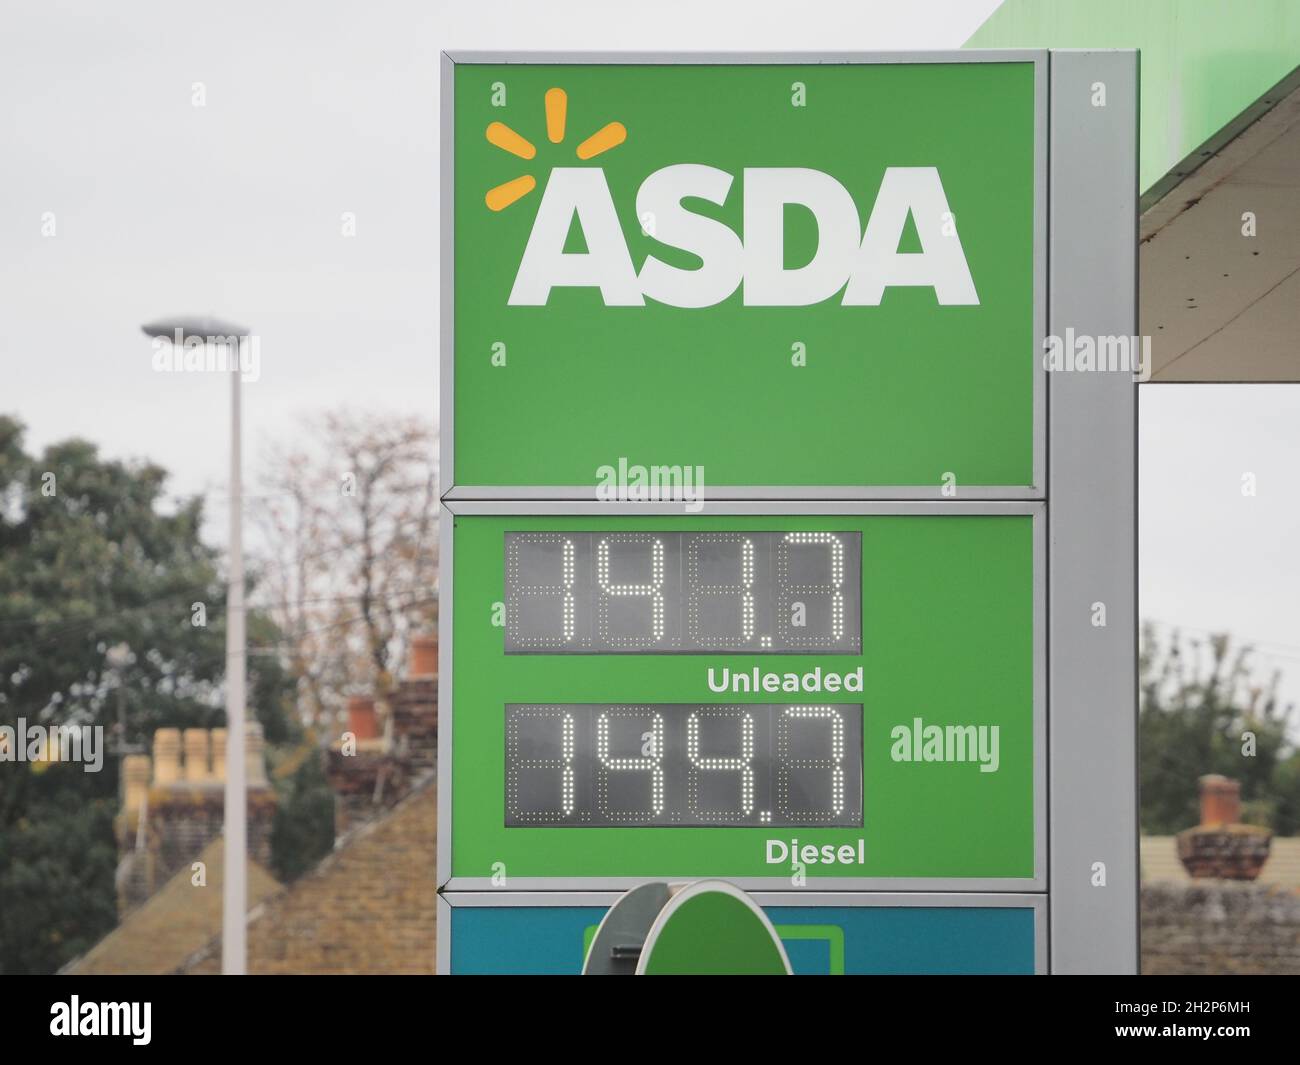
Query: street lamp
x,y
234,906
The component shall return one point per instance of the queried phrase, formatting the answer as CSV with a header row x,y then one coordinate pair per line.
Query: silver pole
x,y
234,909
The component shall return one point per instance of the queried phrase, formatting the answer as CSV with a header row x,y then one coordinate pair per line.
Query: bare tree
x,y
350,516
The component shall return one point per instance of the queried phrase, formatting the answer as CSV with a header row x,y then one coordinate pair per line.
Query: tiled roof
x,y
1160,861
370,907
159,934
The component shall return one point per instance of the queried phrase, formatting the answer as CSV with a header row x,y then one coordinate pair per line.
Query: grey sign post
x,y
1092,518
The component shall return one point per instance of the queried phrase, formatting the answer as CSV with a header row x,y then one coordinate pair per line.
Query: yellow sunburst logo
x,y
505,138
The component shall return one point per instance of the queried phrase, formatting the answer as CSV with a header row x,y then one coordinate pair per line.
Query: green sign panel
x,y
761,696
808,276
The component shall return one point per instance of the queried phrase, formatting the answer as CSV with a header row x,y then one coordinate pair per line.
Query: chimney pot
x,y
363,722
196,756
166,756
1220,800
254,763
219,755
424,656
135,771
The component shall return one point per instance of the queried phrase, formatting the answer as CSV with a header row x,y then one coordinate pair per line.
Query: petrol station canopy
x,y
1219,156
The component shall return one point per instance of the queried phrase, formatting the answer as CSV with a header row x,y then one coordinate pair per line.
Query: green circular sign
x,y
712,929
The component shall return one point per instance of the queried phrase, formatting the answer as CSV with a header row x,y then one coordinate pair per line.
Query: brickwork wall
x,y
1220,927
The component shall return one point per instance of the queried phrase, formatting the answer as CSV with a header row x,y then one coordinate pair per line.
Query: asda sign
x,y
860,265
812,661
820,276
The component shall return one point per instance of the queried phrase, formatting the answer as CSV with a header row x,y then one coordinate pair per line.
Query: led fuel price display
x,y
683,592
581,761
683,765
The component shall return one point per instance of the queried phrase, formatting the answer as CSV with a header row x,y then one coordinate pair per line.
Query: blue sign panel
x,y
820,940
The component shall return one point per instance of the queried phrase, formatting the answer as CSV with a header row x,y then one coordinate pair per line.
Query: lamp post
x,y
234,904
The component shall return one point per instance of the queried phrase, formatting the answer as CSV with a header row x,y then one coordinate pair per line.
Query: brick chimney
x,y
372,775
1221,847
165,823
415,705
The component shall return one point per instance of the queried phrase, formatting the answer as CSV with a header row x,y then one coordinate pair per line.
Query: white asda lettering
x,y
863,264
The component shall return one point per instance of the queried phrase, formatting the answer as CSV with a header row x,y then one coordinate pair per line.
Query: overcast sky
x,y
1212,558
234,208
316,109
